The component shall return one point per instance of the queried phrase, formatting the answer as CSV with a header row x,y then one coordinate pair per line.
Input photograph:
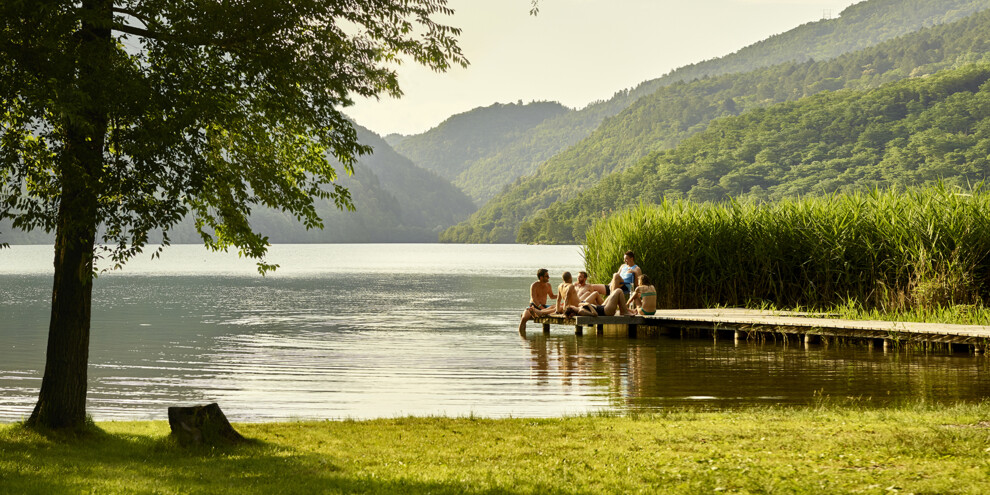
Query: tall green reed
x,y
885,249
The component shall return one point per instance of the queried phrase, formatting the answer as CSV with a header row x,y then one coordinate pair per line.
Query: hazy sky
x,y
576,51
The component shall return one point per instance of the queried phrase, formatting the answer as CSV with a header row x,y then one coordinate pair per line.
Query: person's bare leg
x,y
617,282
526,316
593,297
617,300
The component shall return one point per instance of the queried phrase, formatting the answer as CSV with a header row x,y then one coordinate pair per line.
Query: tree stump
x,y
202,425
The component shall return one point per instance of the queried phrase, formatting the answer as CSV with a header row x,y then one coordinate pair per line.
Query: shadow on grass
x,y
99,461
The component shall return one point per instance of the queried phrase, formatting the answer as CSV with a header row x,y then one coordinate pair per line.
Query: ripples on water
x,y
385,330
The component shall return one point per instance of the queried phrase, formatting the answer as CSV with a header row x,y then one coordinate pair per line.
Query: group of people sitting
x,y
629,293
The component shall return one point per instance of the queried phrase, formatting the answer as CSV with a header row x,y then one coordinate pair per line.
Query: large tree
x,y
120,117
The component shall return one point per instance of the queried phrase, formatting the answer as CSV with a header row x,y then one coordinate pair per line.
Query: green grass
x,y
824,449
892,251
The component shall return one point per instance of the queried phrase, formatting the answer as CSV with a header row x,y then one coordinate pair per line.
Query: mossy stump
x,y
202,425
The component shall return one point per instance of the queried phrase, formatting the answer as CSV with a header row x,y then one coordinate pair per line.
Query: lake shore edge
x,y
843,447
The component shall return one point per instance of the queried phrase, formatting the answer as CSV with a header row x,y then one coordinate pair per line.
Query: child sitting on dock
x,y
539,292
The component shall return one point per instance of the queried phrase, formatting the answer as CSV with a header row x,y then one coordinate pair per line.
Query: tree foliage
x,y
207,108
122,117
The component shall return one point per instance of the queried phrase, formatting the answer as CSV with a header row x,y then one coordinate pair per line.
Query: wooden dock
x,y
744,324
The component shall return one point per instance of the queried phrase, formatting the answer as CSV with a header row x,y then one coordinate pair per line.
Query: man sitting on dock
x,y
591,293
539,292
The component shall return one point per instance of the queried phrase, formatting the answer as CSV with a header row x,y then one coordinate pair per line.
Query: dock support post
x,y
600,329
869,344
737,335
886,345
546,328
578,330
632,331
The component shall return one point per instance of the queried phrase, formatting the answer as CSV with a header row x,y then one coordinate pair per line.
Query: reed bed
x,y
920,248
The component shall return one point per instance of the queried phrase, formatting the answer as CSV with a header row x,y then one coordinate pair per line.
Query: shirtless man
x,y
539,292
590,293
567,294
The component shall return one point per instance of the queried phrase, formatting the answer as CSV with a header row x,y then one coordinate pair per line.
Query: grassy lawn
x,y
828,449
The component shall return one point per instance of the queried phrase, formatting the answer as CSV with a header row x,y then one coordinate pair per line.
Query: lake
x,y
384,330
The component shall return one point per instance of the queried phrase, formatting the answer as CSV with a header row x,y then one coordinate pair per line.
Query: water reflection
x,y
652,374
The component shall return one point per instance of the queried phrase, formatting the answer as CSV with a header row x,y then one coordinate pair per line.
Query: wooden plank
x,y
755,321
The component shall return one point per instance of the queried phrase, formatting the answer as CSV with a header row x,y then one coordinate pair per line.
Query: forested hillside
x,y
914,132
662,119
453,146
395,201
861,25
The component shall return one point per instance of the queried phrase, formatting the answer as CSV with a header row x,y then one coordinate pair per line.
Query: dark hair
x,y
583,273
630,254
541,272
567,277
645,280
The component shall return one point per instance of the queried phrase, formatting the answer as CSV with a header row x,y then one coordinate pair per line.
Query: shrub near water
x,y
919,248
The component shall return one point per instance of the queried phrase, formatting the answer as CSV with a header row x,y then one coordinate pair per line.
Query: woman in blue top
x,y
627,275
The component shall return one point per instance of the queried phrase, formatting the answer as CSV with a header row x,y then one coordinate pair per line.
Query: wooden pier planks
x,y
755,321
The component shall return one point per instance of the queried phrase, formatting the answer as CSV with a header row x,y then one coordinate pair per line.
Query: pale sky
x,y
576,51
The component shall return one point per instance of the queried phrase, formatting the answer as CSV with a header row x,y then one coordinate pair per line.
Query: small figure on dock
x,y
591,293
539,292
567,294
644,297
615,302
628,273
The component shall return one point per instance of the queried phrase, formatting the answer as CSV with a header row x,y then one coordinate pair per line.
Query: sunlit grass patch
x,y
831,447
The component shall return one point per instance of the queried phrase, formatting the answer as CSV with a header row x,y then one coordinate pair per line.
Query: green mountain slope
x,y
660,120
861,25
395,201
451,147
914,132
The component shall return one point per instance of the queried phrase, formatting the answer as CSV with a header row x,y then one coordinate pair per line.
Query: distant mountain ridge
x,y
674,111
453,147
395,201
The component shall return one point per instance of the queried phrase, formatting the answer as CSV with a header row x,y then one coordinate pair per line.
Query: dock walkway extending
x,y
744,323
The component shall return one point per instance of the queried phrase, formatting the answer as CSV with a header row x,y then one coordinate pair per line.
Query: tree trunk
x,y
62,400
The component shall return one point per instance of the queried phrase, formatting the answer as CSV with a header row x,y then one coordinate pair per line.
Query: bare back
x,y
567,295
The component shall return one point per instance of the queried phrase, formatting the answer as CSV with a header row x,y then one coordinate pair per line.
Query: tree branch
x,y
133,13
144,33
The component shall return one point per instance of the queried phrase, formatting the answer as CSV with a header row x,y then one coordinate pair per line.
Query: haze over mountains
x,y
541,172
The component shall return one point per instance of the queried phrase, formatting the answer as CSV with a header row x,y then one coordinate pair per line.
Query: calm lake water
x,y
366,331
